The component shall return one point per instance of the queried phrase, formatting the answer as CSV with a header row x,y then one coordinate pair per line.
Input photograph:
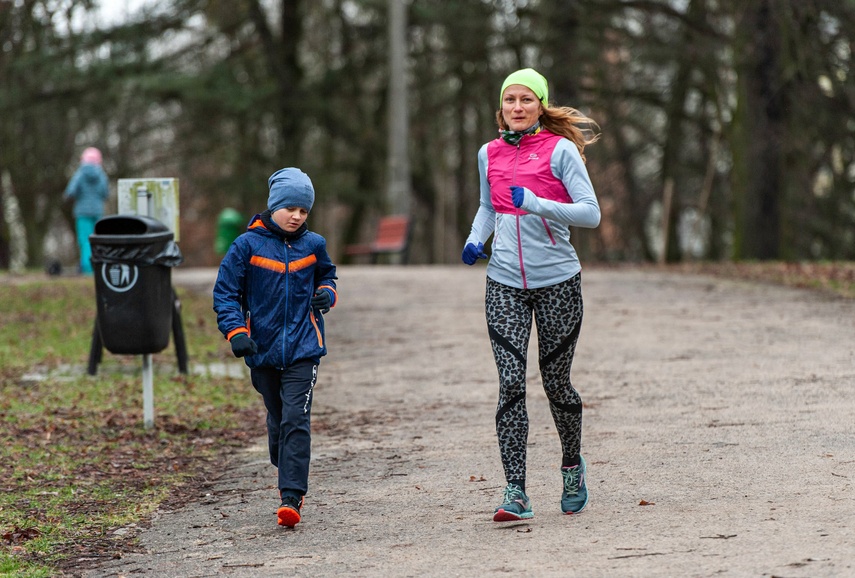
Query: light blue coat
x,y
89,188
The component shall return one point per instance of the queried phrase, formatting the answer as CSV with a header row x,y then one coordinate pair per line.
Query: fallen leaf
x,y
646,503
19,535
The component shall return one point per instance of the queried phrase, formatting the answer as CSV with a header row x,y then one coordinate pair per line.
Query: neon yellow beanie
x,y
529,78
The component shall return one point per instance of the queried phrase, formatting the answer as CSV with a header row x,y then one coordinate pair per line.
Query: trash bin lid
x,y
129,225
134,239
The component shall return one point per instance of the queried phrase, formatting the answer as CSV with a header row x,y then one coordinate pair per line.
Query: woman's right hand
x,y
472,253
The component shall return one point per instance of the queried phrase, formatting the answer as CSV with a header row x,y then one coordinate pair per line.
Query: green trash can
x,y
230,224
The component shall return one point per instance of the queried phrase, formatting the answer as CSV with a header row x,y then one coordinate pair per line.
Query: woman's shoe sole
x,y
505,516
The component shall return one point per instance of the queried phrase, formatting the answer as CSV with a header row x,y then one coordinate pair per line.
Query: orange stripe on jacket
x,y
271,264
280,267
317,330
302,263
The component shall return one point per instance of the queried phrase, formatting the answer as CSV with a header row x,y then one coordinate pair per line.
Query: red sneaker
x,y
289,512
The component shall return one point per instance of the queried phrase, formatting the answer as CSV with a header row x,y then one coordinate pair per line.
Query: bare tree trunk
x,y
280,56
674,140
760,128
5,245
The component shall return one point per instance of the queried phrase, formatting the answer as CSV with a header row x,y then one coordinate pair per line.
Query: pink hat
x,y
91,156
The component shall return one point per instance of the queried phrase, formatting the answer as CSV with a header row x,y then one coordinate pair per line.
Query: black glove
x,y
242,344
322,301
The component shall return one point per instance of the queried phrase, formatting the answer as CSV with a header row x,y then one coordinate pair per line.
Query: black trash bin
x,y
132,257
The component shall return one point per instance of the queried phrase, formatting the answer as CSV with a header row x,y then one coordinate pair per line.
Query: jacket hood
x,y
90,173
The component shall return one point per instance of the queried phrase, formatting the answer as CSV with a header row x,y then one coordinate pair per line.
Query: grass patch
x,y
76,463
831,277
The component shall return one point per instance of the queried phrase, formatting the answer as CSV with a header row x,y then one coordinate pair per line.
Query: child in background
x,y
89,189
274,284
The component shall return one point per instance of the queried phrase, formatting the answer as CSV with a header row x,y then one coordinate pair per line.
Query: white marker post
x,y
156,198
144,201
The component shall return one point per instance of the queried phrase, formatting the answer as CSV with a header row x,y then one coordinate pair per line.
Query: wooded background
x,y
727,125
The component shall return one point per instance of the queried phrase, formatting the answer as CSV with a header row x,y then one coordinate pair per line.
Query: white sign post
x,y
156,198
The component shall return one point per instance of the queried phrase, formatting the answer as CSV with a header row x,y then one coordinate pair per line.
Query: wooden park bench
x,y
392,237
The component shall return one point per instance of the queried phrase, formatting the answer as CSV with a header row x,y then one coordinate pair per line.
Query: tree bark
x,y
761,130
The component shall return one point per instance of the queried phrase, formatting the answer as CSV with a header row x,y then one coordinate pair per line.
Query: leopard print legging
x,y
558,313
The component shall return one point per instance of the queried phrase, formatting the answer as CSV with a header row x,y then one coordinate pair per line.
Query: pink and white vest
x,y
526,166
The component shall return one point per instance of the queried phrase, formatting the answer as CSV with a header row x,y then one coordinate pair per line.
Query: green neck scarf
x,y
513,137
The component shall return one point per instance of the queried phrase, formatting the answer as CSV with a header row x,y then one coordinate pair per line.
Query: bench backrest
x,y
392,233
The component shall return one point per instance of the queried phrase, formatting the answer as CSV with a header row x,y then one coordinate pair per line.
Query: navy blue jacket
x,y
264,288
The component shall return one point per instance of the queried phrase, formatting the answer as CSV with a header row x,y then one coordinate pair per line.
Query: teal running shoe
x,y
574,498
516,506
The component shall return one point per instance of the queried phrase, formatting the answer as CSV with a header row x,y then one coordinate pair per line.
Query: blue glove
x,y
322,301
472,253
242,344
517,196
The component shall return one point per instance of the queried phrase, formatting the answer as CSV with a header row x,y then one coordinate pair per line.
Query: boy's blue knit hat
x,y
290,187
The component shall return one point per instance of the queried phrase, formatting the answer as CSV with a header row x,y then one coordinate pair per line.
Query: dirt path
x,y
727,407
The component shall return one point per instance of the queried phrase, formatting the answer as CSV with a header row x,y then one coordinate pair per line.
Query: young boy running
x,y
274,284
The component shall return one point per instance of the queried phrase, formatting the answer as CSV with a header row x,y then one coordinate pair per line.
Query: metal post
x,y
178,334
398,180
144,201
96,349
148,391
